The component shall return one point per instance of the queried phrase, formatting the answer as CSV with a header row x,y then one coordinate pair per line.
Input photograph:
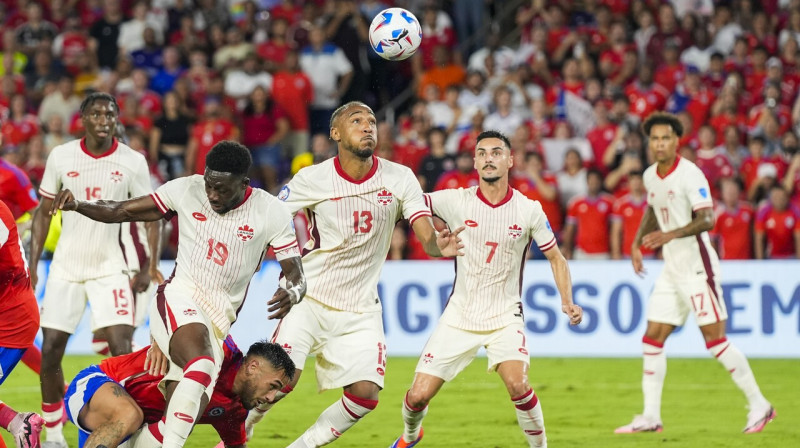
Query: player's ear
x,y
335,135
510,158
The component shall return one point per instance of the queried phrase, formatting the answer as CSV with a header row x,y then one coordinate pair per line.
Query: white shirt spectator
x,y
324,69
239,83
504,59
481,100
698,57
507,124
570,186
131,34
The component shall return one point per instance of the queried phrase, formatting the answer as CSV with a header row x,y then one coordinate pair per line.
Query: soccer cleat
x,y
401,443
53,444
25,428
756,421
640,423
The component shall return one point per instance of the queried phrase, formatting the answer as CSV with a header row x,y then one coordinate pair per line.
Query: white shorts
x,y
673,300
349,347
451,349
142,306
167,314
110,300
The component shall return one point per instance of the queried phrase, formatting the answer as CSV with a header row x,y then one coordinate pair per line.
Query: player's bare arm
x,y
154,231
648,224
138,209
284,298
39,229
703,221
446,243
560,269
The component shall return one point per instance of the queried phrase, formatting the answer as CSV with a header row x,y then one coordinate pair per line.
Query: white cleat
x,y
640,423
758,419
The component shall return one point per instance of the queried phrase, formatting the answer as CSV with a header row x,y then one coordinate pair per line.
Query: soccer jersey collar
x,y
503,201
671,169
340,171
114,144
247,194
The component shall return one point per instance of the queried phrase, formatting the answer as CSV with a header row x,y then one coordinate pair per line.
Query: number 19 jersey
x,y
351,224
218,254
89,249
488,283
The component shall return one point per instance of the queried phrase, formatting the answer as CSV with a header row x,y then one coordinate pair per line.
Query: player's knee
x,y
418,399
131,418
518,388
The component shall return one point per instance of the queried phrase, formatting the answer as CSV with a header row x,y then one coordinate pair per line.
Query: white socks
x,y
199,377
530,418
53,414
412,417
149,436
334,421
736,363
654,371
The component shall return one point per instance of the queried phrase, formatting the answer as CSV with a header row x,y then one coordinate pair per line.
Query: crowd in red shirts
x,y
570,94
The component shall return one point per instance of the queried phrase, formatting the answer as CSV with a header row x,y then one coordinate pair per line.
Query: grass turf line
x,y
583,401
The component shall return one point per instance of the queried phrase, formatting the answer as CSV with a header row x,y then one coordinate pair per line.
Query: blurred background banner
x,y
763,302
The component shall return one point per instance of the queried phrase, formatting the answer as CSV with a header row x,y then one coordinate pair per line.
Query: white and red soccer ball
x,y
395,34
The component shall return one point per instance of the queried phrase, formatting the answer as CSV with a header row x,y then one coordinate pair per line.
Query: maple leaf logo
x,y
515,231
385,197
116,176
245,233
427,358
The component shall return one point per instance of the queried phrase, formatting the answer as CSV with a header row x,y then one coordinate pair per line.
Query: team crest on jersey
x,y
245,233
217,411
671,194
284,193
385,197
703,193
116,176
514,231
428,358
287,348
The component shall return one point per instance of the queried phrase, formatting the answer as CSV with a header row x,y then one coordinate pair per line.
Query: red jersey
x,y
208,133
722,121
600,137
783,113
16,132
16,190
591,217
733,231
552,209
19,312
749,169
259,127
646,101
629,211
714,166
411,153
224,411
779,227
670,76
699,105
275,53
553,93
293,92
457,179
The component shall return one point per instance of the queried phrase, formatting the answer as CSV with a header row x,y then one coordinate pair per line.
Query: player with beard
x,y
352,202
485,308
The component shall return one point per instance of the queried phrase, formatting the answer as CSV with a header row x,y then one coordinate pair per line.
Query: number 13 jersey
x,y
351,224
488,284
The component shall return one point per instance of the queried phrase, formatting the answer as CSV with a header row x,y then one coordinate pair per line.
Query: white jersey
x,y
674,199
218,254
351,224
487,287
135,247
89,249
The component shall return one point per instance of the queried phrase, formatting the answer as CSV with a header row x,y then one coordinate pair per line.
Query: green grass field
x,y
583,399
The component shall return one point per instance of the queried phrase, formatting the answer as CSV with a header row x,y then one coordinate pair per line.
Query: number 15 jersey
x,y
488,283
351,224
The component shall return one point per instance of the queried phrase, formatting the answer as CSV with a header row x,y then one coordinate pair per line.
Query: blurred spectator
x,y
734,223
714,165
437,31
761,33
469,138
447,114
233,52
132,32
646,29
210,130
754,176
726,29
626,215
105,34
626,162
241,82
572,180
169,139
443,73
475,93
292,91
56,133
209,14
469,17
504,119
699,53
20,126
761,115
36,32
412,142
530,178
556,147
290,12
646,96
349,30
42,75
692,96
149,56
732,148
273,51
777,227
463,176
385,147
714,78
504,57
436,162
164,79
264,125
786,82
540,122
605,137
586,233
62,102
330,73
149,100
670,71
669,32
792,29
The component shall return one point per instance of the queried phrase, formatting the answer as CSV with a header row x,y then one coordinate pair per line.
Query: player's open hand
x,y
156,362
574,312
156,276
282,301
449,243
140,282
638,264
654,240
64,200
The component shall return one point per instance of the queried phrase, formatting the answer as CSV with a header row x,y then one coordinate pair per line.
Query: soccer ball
x,y
395,34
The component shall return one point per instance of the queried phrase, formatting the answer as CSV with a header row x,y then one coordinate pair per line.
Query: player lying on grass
x,y
109,402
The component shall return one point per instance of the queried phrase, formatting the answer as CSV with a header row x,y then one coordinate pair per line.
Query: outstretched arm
x,y
442,244
564,284
284,298
138,209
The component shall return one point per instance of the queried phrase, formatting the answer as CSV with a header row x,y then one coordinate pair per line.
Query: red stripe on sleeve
x,y
418,215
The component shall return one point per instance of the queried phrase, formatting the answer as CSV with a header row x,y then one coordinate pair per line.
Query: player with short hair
x,y
88,263
225,228
353,202
109,402
485,308
19,322
678,217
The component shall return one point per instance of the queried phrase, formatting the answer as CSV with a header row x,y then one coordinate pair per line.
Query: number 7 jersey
x,y
488,284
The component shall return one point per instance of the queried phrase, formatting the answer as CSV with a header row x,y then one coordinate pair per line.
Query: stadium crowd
x,y
570,92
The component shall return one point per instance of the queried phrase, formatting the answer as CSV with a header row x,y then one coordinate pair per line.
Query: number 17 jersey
x,y
488,284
